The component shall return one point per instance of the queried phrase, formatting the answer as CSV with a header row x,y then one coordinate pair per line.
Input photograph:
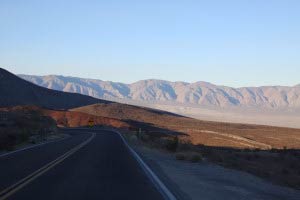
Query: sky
x,y
235,43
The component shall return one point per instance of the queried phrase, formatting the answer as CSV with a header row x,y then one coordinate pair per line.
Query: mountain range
x,y
183,93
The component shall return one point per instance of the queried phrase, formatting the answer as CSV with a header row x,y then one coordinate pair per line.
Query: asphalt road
x,y
93,166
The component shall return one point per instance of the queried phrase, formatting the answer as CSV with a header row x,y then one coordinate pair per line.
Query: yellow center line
x,y
23,182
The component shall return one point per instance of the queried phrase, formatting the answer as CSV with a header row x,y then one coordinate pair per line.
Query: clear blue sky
x,y
235,43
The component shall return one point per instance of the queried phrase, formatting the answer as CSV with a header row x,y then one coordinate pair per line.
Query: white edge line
x,y
153,177
30,147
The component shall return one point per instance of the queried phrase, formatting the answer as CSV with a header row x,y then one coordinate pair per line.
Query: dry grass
x,y
189,156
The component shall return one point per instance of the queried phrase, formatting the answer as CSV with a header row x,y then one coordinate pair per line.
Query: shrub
x,y
293,165
185,145
33,141
144,137
8,141
10,147
256,156
133,138
248,157
172,144
24,136
207,151
180,156
190,156
273,150
195,158
217,157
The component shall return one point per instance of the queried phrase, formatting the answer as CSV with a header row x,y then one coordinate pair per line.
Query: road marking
x,y
167,194
4,194
33,146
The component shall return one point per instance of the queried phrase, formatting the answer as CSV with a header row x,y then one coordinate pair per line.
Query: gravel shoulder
x,y
209,181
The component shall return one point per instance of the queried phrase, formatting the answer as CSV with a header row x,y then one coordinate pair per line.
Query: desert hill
x,y
16,91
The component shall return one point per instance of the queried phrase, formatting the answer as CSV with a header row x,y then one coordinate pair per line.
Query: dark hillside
x,y
16,91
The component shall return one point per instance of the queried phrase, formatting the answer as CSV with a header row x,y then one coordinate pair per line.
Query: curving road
x,y
86,165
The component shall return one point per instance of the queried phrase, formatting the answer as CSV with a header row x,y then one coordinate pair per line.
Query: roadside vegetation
x,y
17,128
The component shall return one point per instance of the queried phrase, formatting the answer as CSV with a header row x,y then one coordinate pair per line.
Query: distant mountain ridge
x,y
198,93
15,91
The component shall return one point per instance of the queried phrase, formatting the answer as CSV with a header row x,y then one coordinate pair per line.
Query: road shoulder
x,y
208,181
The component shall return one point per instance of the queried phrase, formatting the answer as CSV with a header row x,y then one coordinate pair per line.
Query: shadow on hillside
x,y
153,130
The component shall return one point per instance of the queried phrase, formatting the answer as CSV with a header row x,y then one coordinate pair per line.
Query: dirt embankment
x,y
65,118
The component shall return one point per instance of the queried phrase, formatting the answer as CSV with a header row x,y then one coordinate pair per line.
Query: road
x,y
84,166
